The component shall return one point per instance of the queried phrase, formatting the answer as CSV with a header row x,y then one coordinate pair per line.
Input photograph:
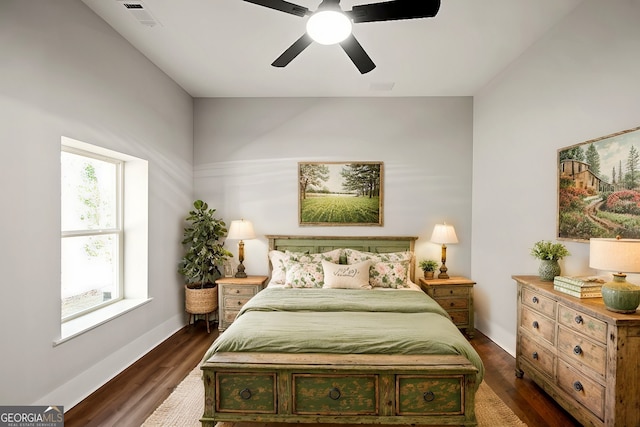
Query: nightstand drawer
x,y
459,318
453,303
235,302
228,316
239,290
450,291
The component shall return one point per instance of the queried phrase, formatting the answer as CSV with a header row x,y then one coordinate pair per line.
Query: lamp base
x,y
443,272
240,274
621,296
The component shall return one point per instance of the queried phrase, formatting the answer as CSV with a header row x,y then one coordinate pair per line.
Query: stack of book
x,y
579,286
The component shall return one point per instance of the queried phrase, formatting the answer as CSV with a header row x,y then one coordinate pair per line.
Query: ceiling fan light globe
x,y
328,27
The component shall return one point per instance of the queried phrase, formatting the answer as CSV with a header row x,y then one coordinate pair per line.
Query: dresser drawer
x,y
459,318
246,392
450,291
589,393
244,290
538,325
574,347
335,394
453,303
540,303
538,356
583,323
424,395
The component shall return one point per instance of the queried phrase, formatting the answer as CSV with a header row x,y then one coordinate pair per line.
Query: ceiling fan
x,y
341,24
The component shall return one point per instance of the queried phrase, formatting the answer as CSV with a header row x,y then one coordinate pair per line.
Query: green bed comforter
x,y
344,321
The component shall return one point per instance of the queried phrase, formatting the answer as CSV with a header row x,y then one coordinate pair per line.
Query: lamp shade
x,y
241,229
444,234
618,255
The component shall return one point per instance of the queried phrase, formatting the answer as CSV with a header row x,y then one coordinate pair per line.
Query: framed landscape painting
x,y
340,193
599,188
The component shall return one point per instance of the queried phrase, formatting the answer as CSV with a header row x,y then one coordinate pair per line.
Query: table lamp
x,y
620,256
241,230
444,234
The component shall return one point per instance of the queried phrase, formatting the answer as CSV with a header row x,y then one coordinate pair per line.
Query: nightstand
x,y
455,295
233,293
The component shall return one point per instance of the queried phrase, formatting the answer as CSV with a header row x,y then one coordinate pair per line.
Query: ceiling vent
x,y
141,13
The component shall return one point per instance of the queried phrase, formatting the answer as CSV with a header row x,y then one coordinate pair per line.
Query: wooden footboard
x,y
339,388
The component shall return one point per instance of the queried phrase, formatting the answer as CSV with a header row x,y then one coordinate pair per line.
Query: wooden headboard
x,y
318,244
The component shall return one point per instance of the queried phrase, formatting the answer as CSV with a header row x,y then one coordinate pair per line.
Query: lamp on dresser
x,y
444,234
241,230
619,256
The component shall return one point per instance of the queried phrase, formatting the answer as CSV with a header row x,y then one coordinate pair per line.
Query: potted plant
x,y
549,254
428,266
204,256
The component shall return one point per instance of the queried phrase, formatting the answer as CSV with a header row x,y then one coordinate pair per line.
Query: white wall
x,y
581,81
247,153
64,71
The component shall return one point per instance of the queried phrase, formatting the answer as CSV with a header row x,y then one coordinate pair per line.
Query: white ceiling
x,y
224,48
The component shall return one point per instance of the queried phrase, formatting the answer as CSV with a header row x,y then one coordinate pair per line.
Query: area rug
x,y
184,407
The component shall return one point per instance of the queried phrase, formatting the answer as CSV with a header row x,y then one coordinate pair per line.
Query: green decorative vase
x,y
548,270
621,296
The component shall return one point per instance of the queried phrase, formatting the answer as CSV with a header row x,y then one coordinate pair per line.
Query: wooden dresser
x,y
584,356
233,294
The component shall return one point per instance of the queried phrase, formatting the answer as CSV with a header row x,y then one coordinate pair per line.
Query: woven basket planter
x,y
201,301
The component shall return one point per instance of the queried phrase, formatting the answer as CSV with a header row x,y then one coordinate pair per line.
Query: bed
x,y
341,335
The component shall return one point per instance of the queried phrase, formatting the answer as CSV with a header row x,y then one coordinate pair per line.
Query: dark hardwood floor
x,y
129,398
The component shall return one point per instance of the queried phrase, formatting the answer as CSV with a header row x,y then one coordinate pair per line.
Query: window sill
x,y
79,326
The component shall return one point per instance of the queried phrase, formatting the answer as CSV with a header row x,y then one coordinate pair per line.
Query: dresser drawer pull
x,y
577,350
577,386
334,394
245,394
535,355
579,319
535,300
428,396
237,291
535,324
239,302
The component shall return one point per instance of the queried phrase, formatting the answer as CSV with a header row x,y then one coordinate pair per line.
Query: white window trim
x,y
135,223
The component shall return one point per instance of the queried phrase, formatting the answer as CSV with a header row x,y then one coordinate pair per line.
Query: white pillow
x,y
340,276
278,271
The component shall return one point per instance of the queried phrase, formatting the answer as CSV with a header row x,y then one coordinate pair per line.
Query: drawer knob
x,y
237,291
535,355
579,319
451,304
577,386
428,396
535,324
245,394
239,302
535,300
577,350
334,394
451,292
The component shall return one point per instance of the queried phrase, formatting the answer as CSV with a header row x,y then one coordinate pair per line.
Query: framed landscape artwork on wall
x,y
340,193
599,188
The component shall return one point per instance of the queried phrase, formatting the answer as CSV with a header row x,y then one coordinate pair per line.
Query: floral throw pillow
x,y
304,274
389,274
333,256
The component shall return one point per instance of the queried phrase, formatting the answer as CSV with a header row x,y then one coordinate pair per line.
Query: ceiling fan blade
x,y
283,6
357,54
393,10
294,50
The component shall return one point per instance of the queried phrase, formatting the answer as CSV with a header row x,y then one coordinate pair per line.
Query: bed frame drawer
x,y
335,394
246,392
427,395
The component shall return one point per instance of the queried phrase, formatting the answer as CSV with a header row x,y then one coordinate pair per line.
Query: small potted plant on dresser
x,y
428,266
203,259
549,254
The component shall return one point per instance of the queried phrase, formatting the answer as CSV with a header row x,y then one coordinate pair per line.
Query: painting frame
x,y
341,193
598,188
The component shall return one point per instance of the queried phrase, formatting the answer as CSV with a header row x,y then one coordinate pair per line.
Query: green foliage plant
x,y
428,265
545,250
205,253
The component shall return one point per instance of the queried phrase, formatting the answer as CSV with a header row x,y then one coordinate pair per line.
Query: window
x,y
92,235
104,274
